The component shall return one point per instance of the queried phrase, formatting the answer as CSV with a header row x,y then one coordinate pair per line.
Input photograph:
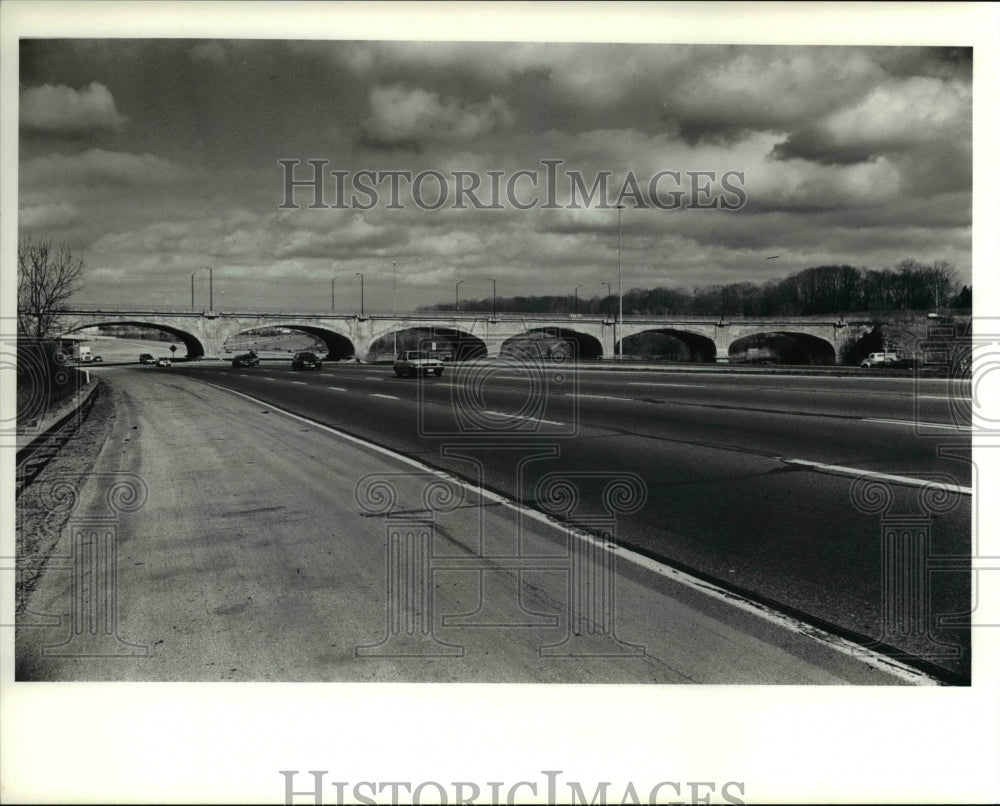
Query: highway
x,y
787,489
217,537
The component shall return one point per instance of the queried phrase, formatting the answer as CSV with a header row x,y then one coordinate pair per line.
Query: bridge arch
x,y
338,346
451,343
549,341
670,343
782,347
195,347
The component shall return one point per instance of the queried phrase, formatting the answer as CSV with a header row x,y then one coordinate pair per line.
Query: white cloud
x,y
47,217
399,114
62,110
98,167
916,110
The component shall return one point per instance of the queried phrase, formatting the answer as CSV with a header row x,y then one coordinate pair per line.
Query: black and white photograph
x,y
499,403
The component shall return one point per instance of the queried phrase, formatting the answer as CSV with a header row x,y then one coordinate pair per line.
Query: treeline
x,y
133,332
821,290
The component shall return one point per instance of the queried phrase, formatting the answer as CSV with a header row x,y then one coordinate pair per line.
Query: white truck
x,y
880,359
84,354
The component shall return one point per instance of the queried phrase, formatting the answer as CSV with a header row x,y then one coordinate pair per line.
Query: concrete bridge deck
x,y
707,338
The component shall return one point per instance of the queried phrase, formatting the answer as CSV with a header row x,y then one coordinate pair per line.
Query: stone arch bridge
x,y
709,339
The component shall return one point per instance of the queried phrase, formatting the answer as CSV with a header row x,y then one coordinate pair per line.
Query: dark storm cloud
x,y
935,62
817,146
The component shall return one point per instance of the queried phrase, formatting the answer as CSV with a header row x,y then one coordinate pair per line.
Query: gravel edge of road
x,y
40,522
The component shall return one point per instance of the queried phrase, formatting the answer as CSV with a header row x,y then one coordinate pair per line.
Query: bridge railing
x,y
119,308
90,309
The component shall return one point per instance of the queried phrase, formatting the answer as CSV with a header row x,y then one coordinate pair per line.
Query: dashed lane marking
x,y
874,474
607,397
678,385
523,417
912,423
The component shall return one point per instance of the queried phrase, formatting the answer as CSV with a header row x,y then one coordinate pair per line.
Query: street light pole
x,y
333,294
619,337
395,340
456,292
494,296
576,300
359,274
192,289
211,305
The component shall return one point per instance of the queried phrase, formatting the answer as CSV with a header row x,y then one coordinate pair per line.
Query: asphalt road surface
x,y
794,491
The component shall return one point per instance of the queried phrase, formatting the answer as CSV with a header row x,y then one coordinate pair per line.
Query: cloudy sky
x,y
154,158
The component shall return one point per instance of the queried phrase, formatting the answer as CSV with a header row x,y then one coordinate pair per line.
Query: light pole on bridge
x,y
576,300
494,296
456,292
192,289
211,306
362,276
619,336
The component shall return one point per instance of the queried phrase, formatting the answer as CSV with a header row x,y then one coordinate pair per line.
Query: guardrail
x,y
35,454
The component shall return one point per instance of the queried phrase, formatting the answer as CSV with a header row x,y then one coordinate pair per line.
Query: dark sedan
x,y
306,360
246,360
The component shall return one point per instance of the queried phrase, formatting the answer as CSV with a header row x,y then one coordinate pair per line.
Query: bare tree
x,y
942,280
47,277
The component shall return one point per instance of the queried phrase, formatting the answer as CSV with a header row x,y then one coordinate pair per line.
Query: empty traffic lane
x,y
262,546
787,494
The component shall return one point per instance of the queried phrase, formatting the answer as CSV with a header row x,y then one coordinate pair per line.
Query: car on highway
x,y
146,358
306,360
246,360
417,362
163,362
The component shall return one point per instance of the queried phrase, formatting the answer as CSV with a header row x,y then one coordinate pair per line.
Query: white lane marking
x,y
387,397
862,653
337,388
912,423
523,417
874,474
270,379
679,385
607,397
300,383
859,652
779,389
